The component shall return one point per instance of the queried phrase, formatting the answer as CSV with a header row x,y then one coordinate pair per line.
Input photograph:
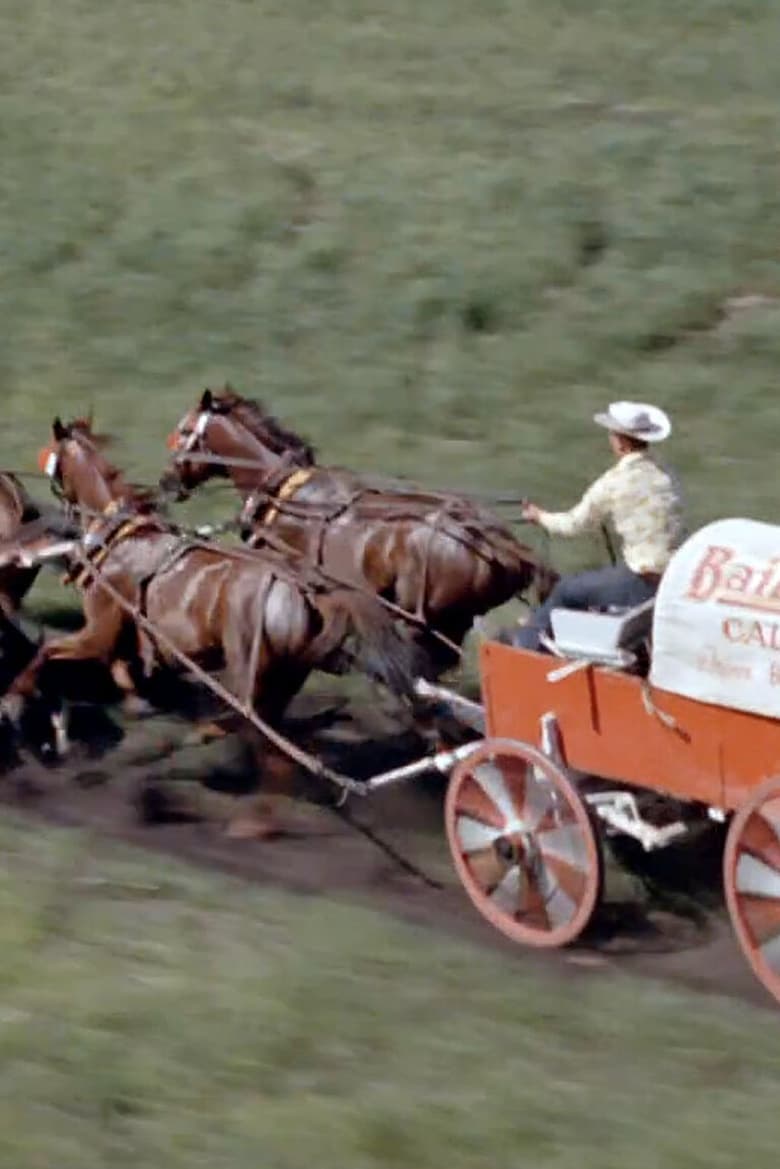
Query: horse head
x,y
80,473
228,436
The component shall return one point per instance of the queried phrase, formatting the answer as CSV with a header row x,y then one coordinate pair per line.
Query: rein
x,y
276,503
373,482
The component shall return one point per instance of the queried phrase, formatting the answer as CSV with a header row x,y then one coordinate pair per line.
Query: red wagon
x,y
679,698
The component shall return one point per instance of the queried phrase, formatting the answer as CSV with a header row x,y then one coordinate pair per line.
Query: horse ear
x,y
58,430
206,400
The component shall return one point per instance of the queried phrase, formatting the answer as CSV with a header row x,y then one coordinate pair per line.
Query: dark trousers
x,y
599,589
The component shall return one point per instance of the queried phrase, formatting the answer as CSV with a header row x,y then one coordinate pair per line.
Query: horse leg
x,y
243,669
270,691
271,812
214,729
132,702
95,641
258,816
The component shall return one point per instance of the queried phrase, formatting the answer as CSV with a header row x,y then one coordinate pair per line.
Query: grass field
x,y
435,238
157,1018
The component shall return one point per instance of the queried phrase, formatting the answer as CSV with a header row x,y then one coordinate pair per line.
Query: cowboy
x,y
639,499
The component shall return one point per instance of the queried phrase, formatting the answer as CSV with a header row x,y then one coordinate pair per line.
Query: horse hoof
x,y
207,733
61,740
253,828
259,821
137,707
11,707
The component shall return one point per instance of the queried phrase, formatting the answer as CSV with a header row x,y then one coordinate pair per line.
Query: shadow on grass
x,y
676,892
57,618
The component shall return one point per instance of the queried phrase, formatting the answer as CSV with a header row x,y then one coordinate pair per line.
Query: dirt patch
x,y
663,920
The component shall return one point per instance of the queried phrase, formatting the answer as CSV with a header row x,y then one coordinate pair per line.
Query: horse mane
x,y
83,426
144,498
264,426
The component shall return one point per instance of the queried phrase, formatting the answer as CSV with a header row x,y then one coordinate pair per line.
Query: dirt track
x,y
365,861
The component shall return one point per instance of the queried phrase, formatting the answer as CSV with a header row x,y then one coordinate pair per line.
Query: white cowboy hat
x,y
637,420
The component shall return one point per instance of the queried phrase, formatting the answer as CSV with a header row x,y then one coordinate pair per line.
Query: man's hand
x,y
530,512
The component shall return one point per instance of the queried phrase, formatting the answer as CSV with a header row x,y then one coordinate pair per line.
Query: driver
x,y
639,499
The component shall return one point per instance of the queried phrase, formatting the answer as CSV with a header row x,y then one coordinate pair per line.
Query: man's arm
x,y
588,514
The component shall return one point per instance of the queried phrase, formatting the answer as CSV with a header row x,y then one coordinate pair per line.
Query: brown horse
x,y
442,558
261,618
16,510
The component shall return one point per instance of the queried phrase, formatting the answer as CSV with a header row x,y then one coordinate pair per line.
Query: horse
x,y
441,558
265,620
17,508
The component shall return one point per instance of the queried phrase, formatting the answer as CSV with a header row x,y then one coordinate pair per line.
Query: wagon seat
x,y
620,638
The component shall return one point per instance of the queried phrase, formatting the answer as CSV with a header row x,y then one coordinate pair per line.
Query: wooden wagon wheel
x,y
523,843
751,877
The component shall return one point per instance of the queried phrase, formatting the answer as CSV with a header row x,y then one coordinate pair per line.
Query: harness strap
x,y
309,762
96,555
648,702
288,488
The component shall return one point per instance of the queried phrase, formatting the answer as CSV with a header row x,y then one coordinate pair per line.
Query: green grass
x,y
434,238
153,1016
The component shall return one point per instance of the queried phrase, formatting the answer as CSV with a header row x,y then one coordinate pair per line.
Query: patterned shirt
x,y
644,505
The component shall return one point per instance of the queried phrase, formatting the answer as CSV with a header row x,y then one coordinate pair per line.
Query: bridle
x,y
183,442
51,469
186,442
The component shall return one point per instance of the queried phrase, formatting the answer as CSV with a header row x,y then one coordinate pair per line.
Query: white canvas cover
x,y
716,626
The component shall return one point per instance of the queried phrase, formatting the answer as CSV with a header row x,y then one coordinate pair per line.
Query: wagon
x,y
637,723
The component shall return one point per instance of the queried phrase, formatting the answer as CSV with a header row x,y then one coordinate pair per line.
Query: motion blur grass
x,y
435,238
159,1018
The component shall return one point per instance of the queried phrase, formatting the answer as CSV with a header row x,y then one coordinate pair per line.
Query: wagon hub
x,y
517,848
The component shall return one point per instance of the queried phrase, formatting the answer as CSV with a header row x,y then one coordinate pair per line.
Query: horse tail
x,y
358,632
528,569
533,569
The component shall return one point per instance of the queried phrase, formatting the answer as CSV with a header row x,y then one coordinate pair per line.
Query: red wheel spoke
x,y
532,910
504,788
569,879
474,801
518,780
756,878
474,835
770,954
508,892
564,842
762,918
761,840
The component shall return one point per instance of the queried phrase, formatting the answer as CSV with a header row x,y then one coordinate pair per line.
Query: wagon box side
x,y
605,725
607,728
